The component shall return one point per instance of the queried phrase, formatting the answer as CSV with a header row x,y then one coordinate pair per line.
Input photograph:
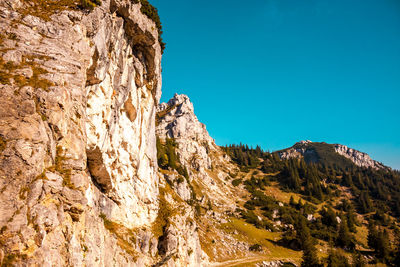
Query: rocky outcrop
x,y
176,119
296,151
310,151
196,149
78,168
359,158
207,191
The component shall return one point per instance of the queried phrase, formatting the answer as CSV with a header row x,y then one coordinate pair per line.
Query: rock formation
x,y
79,89
361,159
207,191
80,124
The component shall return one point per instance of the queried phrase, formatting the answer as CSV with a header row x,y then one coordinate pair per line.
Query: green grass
x,y
126,238
8,69
253,235
45,9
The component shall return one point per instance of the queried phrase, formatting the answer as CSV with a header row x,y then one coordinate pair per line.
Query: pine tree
x,y
397,256
372,235
347,180
336,259
344,239
162,158
294,178
351,220
365,202
329,217
310,258
382,246
358,260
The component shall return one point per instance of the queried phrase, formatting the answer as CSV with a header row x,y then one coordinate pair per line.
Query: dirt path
x,y
236,262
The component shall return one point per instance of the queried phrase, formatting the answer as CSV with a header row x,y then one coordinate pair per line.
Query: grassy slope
x,y
251,234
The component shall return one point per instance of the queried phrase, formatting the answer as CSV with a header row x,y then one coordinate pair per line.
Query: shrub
x,y
236,182
152,13
255,247
90,4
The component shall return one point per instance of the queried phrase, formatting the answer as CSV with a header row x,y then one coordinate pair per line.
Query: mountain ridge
x,y
319,151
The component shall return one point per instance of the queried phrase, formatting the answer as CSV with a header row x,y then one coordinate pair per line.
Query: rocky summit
x,y
323,152
95,172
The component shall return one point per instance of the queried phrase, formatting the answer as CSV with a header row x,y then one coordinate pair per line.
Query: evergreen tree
x,y
336,259
345,239
372,235
379,241
396,261
170,147
162,158
294,178
382,246
329,217
351,220
358,260
310,258
365,202
347,180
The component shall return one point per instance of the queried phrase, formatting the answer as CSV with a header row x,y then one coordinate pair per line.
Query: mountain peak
x,y
302,142
176,119
178,100
330,154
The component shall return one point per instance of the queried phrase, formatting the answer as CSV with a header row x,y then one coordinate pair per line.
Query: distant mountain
x,y
330,155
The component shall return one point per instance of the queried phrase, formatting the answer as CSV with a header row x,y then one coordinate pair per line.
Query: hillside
x,y
276,196
333,155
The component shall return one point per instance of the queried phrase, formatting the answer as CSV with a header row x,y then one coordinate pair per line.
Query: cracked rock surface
x,y
78,97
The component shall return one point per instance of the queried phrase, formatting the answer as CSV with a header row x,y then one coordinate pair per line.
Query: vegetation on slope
x,y
152,13
45,9
324,154
340,200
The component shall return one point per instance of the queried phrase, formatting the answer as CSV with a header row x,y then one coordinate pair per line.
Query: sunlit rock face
x,y
359,158
77,138
120,114
178,121
208,168
207,164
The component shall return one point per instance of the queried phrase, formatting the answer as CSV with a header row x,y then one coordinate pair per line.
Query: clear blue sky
x,y
273,72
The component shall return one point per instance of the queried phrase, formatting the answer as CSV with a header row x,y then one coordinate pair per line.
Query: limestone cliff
x,y
79,89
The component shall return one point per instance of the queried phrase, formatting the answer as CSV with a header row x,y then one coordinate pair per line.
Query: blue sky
x,y
273,72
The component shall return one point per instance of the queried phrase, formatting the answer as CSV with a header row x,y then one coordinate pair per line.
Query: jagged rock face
x,y
359,158
195,148
120,114
78,98
178,121
208,185
180,245
298,151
